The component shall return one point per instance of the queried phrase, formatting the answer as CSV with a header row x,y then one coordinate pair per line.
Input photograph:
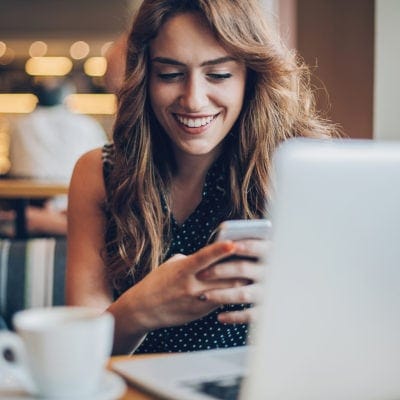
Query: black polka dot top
x,y
187,238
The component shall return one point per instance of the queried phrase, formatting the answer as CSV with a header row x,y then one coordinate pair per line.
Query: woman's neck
x,y
191,166
187,185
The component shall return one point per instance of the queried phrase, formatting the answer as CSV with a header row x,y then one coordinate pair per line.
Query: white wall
x,y
387,70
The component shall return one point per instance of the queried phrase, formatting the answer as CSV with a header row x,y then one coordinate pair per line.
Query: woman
x,y
209,93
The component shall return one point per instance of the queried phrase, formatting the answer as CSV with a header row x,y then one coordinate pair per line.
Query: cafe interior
x,y
351,46
345,43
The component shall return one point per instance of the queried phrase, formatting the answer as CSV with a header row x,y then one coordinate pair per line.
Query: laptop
x,y
328,325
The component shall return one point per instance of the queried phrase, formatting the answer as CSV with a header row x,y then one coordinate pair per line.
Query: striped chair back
x,y
32,274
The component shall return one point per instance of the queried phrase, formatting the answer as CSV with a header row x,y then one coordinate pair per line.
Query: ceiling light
x,y
7,57
105,48
79,50
3,48
95,66
17,103
38,49
96,103
48,66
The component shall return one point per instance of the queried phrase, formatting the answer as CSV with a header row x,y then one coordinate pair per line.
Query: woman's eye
x,y
219,77
170,76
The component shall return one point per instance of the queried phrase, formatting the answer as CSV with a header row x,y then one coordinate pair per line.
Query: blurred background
x,y
72,52
68,38
61,62
352,46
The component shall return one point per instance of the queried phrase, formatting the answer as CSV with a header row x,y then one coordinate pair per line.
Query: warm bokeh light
x,y
17,103
105,48
3,48
87,103
95,66
48,66
7,57
5,163
79,50
38,49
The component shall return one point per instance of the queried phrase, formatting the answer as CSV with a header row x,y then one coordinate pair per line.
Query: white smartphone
x,y
240,229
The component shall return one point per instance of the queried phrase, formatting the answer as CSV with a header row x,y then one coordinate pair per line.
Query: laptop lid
x,y
329,326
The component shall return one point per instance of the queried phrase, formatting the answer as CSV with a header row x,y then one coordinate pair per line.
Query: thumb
x,y
177,256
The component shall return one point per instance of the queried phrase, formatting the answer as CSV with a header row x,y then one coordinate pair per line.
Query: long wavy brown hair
x,y
278,104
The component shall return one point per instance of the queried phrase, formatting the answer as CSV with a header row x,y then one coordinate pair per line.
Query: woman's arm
x,y
85,278
86,282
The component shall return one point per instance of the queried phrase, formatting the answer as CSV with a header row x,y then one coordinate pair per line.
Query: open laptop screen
x,y
329,328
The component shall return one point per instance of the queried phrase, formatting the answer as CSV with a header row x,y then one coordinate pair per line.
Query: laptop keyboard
x,y
221,389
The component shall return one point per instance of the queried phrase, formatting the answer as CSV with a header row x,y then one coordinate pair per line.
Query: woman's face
x,y
196,87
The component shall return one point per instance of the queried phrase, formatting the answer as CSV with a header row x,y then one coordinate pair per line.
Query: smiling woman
x,y
209,93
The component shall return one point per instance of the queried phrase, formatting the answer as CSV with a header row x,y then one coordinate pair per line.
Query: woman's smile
x,y
195,125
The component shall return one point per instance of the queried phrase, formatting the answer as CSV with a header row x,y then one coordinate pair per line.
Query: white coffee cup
x,y
58,351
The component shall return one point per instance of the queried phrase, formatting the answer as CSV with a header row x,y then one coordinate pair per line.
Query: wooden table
x,y
22,190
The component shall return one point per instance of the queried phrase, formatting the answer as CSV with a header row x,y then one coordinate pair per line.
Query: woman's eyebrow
x,y
171,61
216,61
166,60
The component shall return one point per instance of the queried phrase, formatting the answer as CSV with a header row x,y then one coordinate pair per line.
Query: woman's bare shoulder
x,y
90,158
88,173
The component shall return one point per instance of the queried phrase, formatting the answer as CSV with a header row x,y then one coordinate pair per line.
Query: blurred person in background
x,y
45,145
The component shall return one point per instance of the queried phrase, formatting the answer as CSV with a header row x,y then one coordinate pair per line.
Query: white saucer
x,y
112,387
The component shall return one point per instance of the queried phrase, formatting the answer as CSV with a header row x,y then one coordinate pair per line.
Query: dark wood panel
x,y
337,37
61,18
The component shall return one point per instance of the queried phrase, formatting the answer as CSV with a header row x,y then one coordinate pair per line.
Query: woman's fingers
x,y
249,256
211,254
258,249
244,294
175,294
203,258
235,269
238,317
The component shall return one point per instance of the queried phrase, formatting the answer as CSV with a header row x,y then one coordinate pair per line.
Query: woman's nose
x,y
194,97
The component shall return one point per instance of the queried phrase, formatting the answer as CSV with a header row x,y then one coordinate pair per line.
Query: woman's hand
x,y
246,277
186,288
173,294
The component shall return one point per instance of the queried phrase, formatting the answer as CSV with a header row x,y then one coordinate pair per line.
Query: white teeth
x,y
194,122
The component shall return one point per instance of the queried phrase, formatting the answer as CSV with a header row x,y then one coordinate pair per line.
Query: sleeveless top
x,y
187,238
